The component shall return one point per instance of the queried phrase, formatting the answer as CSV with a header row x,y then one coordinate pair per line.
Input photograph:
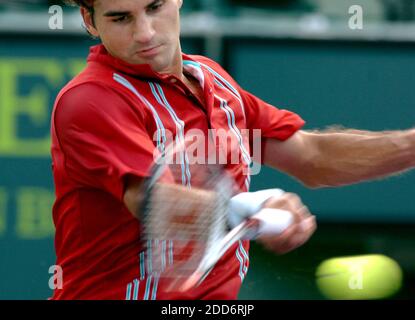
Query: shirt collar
x,y
99,54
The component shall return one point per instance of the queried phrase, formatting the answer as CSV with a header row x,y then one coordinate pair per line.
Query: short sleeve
x,y
103,138
274,123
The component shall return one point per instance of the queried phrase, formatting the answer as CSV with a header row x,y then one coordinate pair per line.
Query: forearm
x,y
191,199
350,156
194,201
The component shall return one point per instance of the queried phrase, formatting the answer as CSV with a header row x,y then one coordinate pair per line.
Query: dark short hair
x,y
88,4
81,3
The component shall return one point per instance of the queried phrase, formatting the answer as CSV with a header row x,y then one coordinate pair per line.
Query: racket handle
x,y
273,221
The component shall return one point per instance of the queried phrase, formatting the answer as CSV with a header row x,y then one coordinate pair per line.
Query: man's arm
x,y
173,193
294,236
342,157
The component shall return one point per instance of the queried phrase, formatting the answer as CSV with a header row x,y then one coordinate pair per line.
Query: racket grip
x,y
273,221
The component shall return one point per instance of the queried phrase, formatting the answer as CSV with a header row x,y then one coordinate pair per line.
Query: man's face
x,y
139,31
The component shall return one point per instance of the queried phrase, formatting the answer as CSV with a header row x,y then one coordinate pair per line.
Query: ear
x,y
180,3
89,22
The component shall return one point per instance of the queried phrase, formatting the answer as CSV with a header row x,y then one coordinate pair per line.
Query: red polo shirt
x,y
106,123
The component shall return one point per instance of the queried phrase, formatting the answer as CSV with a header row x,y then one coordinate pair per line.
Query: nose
x,y
144,30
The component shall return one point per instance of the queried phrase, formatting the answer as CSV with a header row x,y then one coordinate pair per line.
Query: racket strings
x,y
173,215
190,224
163,229
183,222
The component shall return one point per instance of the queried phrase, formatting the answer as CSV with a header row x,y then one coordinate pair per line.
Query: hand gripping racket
x,y
185,215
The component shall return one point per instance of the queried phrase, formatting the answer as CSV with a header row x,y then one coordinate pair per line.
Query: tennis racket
x,y
185,214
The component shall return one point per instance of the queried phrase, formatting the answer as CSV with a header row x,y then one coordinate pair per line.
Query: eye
x,y
120,19
155,6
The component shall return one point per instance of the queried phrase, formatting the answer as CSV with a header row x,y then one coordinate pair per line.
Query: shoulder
x,y
84,97
91,104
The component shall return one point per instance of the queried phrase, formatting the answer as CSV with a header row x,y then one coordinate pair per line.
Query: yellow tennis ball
x,y
364,277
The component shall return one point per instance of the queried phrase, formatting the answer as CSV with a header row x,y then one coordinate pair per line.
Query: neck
x,y
176,68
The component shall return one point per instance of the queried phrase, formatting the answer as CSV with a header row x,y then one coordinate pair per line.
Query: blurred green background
x,y
299,55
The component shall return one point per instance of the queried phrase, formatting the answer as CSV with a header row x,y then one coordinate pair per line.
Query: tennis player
x,y
137,88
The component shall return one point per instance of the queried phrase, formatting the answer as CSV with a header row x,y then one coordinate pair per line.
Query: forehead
x,y
122,4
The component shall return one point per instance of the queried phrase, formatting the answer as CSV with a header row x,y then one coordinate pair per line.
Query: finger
x,y
292,244
308,224
277,243
294,197
281,238
293,239
304,212
285,201
296,241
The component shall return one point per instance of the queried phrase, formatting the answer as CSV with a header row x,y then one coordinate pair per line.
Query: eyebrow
x,y
112,13
116,13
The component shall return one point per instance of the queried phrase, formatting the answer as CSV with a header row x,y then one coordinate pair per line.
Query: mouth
x,y
152,51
